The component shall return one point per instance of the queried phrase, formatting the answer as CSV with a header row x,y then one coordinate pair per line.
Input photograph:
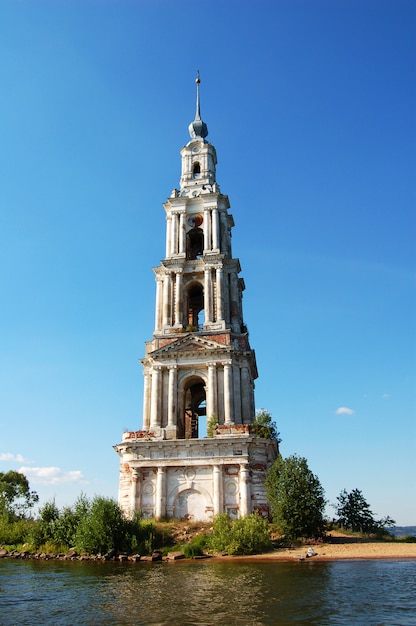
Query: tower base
x,y
194,479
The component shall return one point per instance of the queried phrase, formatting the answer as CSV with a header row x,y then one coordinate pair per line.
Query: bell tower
x,y
199,363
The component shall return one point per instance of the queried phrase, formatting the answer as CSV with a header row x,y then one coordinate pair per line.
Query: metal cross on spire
x,y
198,128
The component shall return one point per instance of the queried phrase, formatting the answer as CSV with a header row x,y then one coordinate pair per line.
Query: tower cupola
x,y
199,157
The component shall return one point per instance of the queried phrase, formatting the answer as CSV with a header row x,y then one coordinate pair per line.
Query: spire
x,y
198,128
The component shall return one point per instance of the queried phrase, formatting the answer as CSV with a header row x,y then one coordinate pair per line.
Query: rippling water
x,y
208,593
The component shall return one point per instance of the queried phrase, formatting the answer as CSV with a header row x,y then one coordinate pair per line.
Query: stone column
x,y
146,400
245,508
135,494
178,299
168,235
220,297
224,233
207,229
217,489
155,420
234,313
215,230
174,248
172,401
245,395
160,493
166,300
237,394
228,396
182,234
207,296
212,387
158,316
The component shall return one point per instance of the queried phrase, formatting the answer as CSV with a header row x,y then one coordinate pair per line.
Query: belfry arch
x,y
194,304
194,243
193,406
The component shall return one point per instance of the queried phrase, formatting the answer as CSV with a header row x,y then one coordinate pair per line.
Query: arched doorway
x,y
194,407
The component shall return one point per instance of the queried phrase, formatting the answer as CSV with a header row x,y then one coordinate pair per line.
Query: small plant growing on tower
x,y
212,423
264,426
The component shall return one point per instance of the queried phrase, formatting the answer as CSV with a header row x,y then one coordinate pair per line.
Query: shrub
x,y
221,533
246,535
105,527
44,529
14,532
263,426
250,535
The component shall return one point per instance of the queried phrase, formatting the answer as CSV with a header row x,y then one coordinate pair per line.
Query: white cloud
x,y
385,395
344,410
12,458
51,475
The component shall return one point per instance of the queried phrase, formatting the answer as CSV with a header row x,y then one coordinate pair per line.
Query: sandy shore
x,y
342,548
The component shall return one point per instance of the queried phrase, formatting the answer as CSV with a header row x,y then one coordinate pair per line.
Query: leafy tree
x,y
263,426
296,498
354,513
16,498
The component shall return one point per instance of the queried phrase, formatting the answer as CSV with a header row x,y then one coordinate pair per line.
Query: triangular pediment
x,y
191,343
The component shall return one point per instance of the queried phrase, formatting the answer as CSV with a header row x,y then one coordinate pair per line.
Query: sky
x,y
311,107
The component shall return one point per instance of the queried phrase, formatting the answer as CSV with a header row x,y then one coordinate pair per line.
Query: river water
x,y
208,593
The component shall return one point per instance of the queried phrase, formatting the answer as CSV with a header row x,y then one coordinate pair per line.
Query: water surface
x,y
208,593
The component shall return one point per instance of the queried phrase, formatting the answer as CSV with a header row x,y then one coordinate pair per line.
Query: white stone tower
x,y
199,363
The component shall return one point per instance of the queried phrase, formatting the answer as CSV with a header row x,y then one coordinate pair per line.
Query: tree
x,y
264,426
354,513
296,498
16,498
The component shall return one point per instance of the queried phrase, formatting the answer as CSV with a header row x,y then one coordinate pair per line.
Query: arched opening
x,y
194,408
195,297
196,170
194,243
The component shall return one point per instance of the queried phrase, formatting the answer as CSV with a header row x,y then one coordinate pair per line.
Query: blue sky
x,y
310,105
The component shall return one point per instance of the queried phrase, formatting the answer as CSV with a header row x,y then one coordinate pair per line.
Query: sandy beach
x,y
339,547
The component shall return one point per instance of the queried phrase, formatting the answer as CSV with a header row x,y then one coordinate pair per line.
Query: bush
x,y
221,533
44,529
250,535
191,550
246,535
14,532
106,528
264,427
